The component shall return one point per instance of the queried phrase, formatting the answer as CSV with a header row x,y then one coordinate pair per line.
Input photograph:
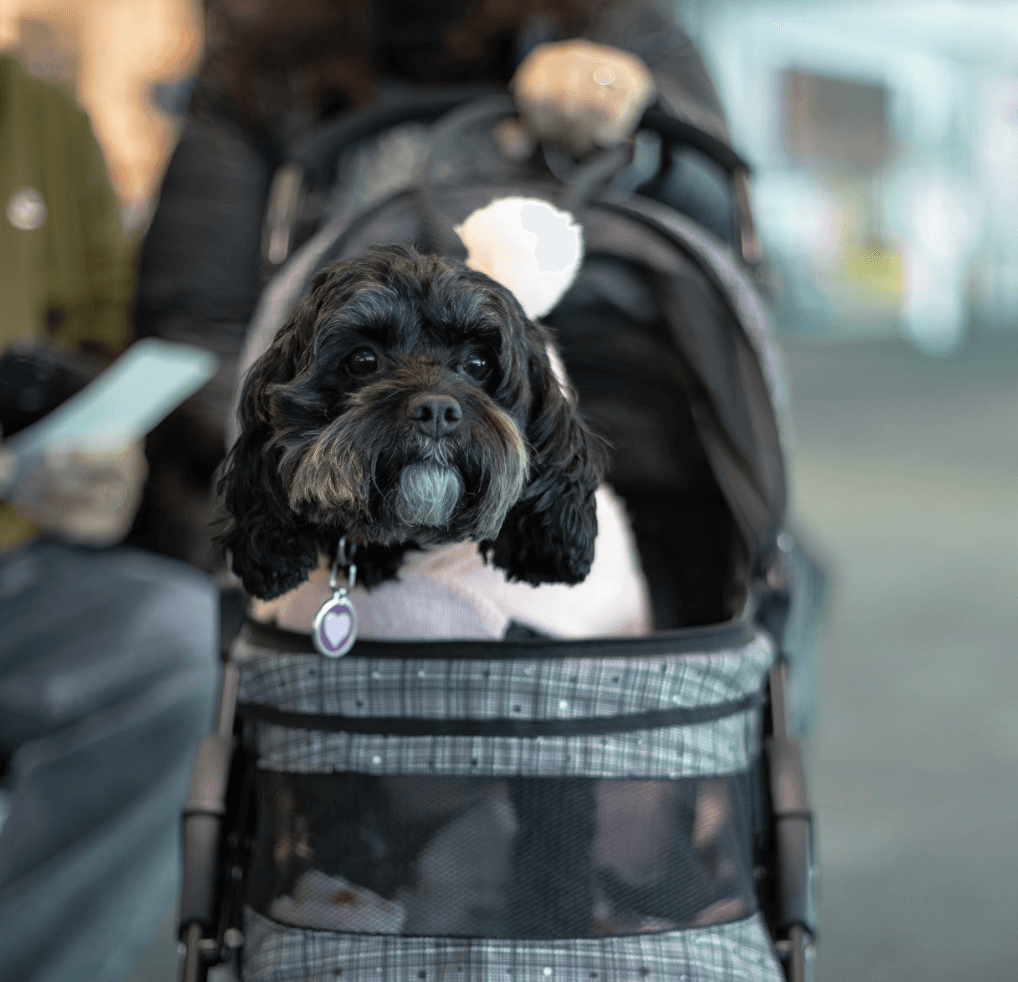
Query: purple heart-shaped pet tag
x,y
335,627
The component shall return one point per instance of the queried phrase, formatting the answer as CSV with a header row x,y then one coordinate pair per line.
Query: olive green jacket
x,y
66,267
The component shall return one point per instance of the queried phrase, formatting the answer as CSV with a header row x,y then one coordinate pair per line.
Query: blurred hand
x,y
84,497
583,95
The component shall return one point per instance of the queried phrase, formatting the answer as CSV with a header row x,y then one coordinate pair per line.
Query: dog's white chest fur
x,y
448,592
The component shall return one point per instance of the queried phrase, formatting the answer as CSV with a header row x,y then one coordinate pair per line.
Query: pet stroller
x,y
601,810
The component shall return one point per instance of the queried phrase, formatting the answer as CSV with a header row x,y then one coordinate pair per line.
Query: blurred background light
x,y
885,139
110,54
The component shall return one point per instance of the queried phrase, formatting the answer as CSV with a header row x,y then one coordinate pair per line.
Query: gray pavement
x,y
905,474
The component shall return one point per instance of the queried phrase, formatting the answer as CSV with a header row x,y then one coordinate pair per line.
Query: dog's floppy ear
x,y
271,550
548,536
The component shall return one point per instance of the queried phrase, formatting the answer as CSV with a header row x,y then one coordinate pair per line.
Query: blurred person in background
x,y
275,68
107,656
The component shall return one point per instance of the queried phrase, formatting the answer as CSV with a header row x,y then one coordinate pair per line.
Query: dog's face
x,y
408,400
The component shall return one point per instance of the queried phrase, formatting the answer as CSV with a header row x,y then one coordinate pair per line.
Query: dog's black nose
x,y
435,415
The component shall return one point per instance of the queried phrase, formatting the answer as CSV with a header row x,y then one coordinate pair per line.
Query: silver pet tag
x,y
334,630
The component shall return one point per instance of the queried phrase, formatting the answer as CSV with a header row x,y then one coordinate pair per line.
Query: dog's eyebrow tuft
x,y
459,311
377,311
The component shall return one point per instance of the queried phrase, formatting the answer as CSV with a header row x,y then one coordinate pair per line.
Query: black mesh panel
x,y
501,858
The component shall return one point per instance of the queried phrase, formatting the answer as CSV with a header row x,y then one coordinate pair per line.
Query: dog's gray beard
x,y
428,494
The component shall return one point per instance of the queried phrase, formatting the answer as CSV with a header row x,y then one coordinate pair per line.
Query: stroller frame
x,y
218,814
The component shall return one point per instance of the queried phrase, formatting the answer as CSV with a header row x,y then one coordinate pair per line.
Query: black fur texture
x,y
372,416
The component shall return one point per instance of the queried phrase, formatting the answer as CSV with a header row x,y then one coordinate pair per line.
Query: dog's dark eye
x,y
362,362
477,367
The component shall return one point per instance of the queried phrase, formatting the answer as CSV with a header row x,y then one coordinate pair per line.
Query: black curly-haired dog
x,y
408,401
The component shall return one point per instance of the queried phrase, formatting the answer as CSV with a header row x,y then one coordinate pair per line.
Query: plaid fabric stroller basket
x,y
602,810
